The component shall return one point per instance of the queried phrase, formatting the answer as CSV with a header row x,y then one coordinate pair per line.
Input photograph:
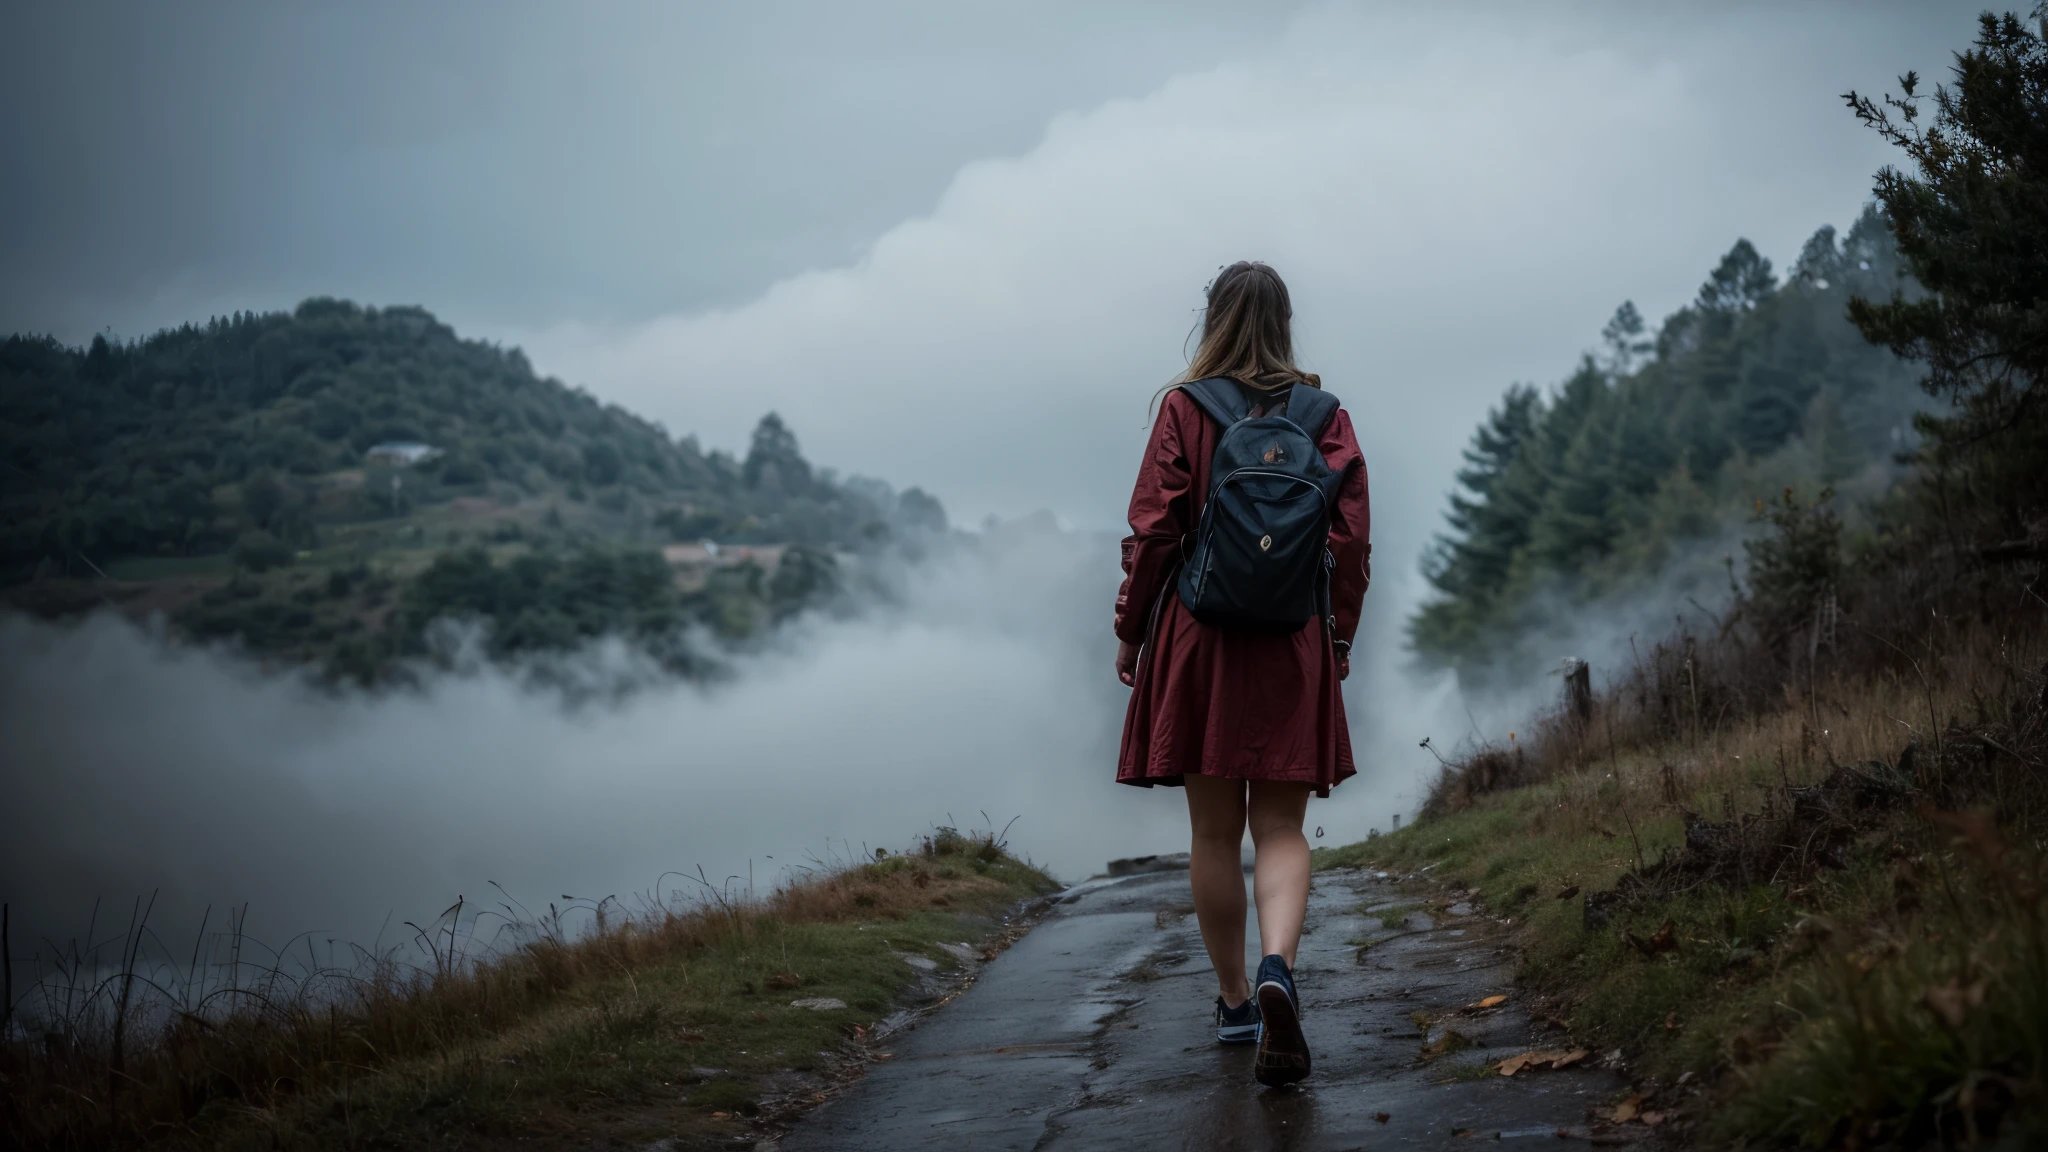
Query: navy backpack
x,y
1260,558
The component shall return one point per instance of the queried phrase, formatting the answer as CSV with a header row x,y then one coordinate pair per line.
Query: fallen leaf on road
x,y
1652,1119
1490,1001
1568,893
721,1115
1514,1064
1626,1110
1382,1117
1461,1132
1541,1058
1671,1020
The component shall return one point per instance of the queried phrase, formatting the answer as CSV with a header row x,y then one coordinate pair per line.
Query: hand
x,y
1127,662
1343,666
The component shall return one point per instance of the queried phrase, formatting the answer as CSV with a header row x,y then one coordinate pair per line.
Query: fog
x,y
980,304
136,765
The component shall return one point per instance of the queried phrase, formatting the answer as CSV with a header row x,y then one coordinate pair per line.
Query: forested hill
x,y
324,485
1652,449
160,447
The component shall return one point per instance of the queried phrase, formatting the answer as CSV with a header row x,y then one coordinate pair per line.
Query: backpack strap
x,y
1310,409
1218,396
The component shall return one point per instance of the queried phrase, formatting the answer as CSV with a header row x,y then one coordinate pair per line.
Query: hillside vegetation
x,y
691,1023
1643,457
237,476
1792,866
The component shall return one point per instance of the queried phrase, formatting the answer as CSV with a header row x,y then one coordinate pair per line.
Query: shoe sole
x,y
1283,1051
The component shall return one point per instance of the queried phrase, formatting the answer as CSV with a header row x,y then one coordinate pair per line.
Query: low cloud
x,y
136,764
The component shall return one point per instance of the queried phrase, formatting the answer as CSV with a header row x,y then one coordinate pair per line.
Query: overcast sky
x,y
510,163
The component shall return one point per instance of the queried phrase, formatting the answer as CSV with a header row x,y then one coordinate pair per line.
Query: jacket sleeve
x,y
1162,504
1350,526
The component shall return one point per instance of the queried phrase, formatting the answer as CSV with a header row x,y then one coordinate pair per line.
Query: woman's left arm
x,y
1350,528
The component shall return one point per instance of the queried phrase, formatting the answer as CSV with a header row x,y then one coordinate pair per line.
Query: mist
x,y
138,764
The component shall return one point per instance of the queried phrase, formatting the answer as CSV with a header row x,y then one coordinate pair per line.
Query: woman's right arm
x,y
1161,503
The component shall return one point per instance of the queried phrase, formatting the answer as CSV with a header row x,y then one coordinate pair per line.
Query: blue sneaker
x,y
1239,1025
1283,1051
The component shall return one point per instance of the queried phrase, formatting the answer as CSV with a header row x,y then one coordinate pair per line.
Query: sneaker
x,y
1239,1025
1283,1052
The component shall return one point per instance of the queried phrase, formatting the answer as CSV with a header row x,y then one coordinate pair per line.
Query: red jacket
x,y
1231,703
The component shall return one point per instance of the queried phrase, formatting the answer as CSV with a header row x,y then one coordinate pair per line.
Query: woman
x,y
1248,722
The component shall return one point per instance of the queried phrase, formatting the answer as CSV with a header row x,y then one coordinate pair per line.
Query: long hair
x,y
1247,332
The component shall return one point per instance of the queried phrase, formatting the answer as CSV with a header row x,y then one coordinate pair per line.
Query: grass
x,y
1897,999
675,1023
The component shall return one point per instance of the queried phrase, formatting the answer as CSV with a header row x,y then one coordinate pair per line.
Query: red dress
x,y
1227,703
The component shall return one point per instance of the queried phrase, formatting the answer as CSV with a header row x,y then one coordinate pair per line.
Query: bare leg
x,y
1216,872
1280,876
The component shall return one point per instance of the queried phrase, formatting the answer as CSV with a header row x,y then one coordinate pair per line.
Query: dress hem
x,y
1175,779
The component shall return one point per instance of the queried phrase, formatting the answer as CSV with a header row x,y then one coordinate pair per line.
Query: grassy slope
x,y
1901,998
678,1027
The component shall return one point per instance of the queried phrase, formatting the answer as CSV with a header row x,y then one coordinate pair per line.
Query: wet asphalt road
x,y
1094,1031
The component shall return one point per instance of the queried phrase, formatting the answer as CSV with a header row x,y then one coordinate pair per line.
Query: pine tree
x,y
1971,218
1575,526
774,461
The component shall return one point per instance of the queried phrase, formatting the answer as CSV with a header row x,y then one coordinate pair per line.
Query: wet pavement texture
x,y
1095,1031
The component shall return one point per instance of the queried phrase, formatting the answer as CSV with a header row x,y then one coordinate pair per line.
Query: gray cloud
x,y
515,163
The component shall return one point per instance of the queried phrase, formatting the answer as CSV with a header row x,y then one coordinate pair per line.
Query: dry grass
x,y
1889,993
322,1056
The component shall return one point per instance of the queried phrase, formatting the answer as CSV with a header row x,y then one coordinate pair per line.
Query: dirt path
x,y
1093,1031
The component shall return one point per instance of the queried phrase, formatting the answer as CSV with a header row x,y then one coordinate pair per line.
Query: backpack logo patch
x,y
1265,543
1276,455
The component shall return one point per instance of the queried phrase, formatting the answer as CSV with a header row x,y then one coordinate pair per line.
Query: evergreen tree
x,y
1971,217
1624,340
1575,526
1742,280
1656,440
774,461
1470,566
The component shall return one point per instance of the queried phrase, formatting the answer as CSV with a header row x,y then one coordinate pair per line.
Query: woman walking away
x,y
1243,576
